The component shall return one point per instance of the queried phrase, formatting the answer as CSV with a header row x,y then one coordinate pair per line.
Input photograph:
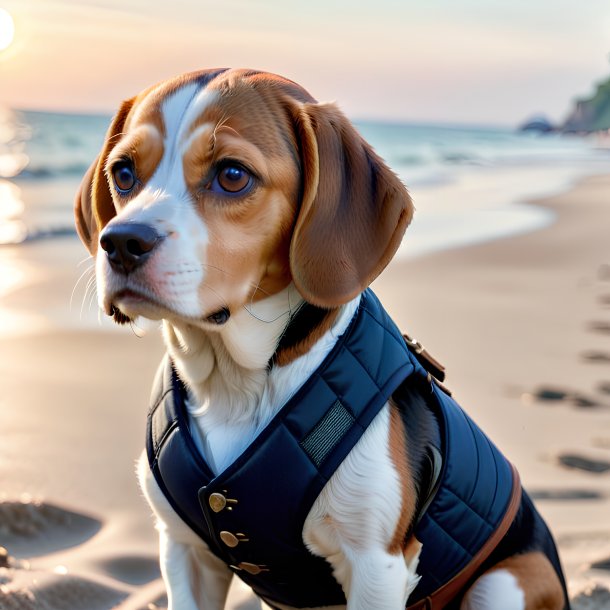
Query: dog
x,y
295,438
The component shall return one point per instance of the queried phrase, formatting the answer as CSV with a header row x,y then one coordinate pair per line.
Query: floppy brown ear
x,y
354,209
93,205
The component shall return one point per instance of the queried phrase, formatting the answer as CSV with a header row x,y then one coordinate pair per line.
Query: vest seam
x,y
475,454
489,446
173,426
493,454
465,503
466,551
160,400
400,341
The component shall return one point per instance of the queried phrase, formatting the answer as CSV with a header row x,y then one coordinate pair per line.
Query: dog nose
x,y
128,245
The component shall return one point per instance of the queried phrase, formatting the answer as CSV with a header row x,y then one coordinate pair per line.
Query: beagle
x,y
251,219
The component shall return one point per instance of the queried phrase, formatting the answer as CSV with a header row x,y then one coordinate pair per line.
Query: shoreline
x,y
509,318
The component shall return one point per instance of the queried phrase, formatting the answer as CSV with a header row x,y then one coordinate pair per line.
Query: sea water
x,y
469,184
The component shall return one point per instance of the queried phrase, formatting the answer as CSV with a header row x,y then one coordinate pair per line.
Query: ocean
x,y
469,184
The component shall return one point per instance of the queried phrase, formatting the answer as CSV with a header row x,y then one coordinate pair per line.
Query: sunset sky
x,y
473,61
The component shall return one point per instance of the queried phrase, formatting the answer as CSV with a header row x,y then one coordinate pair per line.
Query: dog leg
x,y
195,579
379,581
521,582
354,521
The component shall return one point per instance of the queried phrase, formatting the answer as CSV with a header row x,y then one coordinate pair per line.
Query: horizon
x,y
388,121
466,64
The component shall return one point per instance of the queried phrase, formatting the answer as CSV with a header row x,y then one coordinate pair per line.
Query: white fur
x,y
227,417
354,518
498,590
172,276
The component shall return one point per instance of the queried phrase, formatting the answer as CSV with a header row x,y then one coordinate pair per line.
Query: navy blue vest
x,y
252,514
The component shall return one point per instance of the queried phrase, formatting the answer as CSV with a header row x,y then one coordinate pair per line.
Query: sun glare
x,y
7,29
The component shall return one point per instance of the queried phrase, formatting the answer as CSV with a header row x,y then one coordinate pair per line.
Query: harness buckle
x,y
430,364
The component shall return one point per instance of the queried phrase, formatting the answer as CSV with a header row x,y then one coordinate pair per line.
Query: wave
x,y
42,172
43,146
23,235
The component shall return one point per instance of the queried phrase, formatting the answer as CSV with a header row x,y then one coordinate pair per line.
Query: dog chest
x,y
252,514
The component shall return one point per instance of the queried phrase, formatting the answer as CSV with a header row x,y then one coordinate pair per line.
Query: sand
x,y
522,325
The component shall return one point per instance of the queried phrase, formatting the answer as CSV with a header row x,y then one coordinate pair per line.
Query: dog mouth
x,y
129,303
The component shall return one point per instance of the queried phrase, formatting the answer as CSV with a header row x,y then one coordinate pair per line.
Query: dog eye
x,y
124,176
232,179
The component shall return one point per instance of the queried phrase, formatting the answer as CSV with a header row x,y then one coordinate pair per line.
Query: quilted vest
x,y
252,514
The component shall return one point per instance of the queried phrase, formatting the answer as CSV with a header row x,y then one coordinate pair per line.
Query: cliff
x,y
591,114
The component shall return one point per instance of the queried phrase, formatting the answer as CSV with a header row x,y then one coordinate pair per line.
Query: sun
x,y
7,29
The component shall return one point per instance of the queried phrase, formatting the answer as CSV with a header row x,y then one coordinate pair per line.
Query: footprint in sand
x,y
602,564
562,495
599,326
31,529
556,395
603,387
133,570
604,300
583,463
29,590
597,356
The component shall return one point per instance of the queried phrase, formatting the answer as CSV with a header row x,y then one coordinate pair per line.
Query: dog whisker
x,y
92,297
86,259
256,287
135,328
90,290
214,291
266,321
289,313
78,281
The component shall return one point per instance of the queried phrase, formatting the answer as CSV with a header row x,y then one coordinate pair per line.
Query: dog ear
x,y
354,209
93,205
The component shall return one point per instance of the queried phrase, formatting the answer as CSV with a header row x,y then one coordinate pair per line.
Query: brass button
x,y
252,568
229,539
217,502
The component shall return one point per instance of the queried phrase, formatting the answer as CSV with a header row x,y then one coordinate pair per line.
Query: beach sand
x,y
522,325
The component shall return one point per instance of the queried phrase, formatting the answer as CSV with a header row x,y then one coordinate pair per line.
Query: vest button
x,y
252,568
217,502
229,539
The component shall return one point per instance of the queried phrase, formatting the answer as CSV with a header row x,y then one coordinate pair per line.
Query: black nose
x,y
128,245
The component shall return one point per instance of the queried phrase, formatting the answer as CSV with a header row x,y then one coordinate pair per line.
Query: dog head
x,y
221,187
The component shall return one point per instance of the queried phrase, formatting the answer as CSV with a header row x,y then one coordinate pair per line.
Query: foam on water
x,y
472,185
468,183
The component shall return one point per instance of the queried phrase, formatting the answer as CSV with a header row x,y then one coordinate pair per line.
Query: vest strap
x,y
448,592
425,358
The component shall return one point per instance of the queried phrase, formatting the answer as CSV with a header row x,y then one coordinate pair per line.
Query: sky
x,y
487,62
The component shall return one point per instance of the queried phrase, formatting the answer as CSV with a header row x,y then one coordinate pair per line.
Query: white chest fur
x,y
221,431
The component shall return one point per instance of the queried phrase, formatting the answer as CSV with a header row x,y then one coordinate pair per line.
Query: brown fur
x,y
537,579
332,239
353,213
144,146
94,206
398,453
